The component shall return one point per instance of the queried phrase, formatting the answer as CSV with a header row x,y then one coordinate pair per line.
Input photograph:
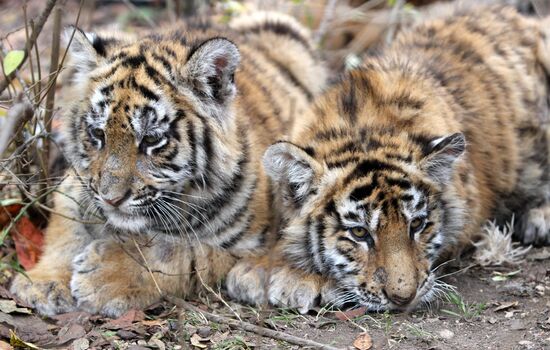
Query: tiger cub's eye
x,y
358,232
416,225
97,132
151,139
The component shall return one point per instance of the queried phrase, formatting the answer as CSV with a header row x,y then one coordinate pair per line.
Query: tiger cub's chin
x,y
399,165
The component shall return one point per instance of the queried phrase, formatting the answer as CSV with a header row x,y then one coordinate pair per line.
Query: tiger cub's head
x,y
368,207
146,118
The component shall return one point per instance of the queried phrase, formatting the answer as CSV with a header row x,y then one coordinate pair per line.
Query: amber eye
x,y
416,225
97,132
151,139
358,232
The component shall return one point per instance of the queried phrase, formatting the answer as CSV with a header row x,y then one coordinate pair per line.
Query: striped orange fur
x,y
397,167
165,134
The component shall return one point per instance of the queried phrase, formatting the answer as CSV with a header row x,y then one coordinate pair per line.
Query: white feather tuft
x,y
496,246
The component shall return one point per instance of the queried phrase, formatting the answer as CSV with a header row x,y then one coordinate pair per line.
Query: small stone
x,y
204,332
446,334
526,343
517,325
126,335
141,342
492,320
80,344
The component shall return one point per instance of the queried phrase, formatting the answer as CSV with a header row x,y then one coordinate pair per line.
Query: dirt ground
x,y
492,308
504,308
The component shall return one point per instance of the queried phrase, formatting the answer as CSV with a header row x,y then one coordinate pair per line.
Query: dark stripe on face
x,y
167,66
369,166
331,134
401,183
364,191
134,61
342,163
148,94
192,145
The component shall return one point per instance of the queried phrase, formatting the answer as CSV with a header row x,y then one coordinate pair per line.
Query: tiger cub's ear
x,y
441,155
293,169
210,69
86,51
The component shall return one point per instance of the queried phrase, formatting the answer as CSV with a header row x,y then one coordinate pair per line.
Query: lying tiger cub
x,y
398,166
166,134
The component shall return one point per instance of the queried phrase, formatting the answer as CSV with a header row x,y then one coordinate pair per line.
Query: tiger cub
x,y
398,166
165,134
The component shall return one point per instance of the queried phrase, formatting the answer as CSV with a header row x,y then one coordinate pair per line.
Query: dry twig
x,y
245,326
20,113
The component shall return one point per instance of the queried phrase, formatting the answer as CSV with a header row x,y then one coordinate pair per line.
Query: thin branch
x,y
397,7
34,36
249,327
328,15
148,268
50,99
20,113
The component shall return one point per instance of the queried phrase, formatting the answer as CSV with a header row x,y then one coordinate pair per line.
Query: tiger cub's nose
x,y
400,300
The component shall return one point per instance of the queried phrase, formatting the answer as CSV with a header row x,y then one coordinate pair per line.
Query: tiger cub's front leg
x,y
46,286
286,286
111,277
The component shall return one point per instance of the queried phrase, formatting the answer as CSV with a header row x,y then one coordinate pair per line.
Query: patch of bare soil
x,y
492,308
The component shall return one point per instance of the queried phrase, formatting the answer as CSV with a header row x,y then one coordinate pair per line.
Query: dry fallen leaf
x,y
7,212
125,320
196,341
18,343
505,306
363,342
151,323
69,333
350,314
28,242
9,306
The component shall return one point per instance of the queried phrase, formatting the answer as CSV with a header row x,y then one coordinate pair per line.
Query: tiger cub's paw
x,y
295,289
287,287
48,296
537,227
246,282
104,281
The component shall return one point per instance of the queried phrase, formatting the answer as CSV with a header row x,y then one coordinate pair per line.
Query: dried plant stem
x,y
219,297
148,267
393,20
28,48
50,99
328,15
249,327
32,41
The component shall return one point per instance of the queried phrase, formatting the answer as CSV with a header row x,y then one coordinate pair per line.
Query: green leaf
x,y
12,60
